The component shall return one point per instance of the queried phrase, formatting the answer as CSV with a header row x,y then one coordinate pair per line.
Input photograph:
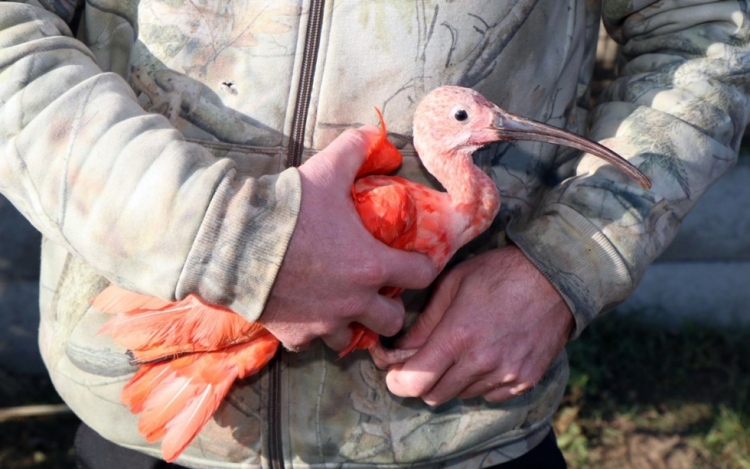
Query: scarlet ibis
x,y
190,352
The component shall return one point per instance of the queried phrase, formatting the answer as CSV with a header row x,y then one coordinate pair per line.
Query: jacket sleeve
x,y
120,187
677,112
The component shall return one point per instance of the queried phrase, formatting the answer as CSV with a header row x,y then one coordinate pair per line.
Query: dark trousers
x,y
94,452
546,455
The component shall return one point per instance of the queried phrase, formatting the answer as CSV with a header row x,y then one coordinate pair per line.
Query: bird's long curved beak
x,y
509,126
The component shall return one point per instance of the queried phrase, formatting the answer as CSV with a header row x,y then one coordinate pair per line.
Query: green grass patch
x,y
643,396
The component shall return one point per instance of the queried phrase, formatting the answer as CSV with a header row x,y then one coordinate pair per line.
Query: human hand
x,y
334,267
492,328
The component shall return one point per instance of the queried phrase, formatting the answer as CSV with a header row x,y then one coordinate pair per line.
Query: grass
x,y
639,397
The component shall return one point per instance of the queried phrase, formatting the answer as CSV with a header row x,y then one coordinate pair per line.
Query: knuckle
x,y
295,343
393,326
424,273
326,329
462,337
373,272
484,361
348,310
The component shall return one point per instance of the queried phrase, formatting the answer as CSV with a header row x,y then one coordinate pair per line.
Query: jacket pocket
x,y
251,161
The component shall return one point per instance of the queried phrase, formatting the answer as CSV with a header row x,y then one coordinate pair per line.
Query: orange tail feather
x,y
383,157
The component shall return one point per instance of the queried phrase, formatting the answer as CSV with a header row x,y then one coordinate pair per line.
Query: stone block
x,y
718,227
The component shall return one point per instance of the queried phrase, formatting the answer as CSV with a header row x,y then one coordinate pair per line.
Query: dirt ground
x,y
642,397
34,442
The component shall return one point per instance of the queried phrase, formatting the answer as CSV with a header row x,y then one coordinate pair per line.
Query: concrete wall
x,y
705,272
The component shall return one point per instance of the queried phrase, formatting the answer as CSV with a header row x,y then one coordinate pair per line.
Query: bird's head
x,y
452,120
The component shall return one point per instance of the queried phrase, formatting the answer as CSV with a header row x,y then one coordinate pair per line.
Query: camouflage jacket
x,y
152,151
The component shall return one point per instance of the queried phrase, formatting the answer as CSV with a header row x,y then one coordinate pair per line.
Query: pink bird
x,y
190,352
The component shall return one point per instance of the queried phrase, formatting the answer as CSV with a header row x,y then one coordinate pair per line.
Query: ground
x,y
34,442
639,397
642,397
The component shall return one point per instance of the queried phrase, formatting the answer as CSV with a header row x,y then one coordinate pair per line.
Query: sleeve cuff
x,y
242,242
577,258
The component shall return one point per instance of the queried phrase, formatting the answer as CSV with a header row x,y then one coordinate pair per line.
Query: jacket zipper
x,y
294,158
275,450
309,59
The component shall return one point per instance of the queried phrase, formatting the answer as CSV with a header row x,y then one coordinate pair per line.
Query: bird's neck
x,y
472,192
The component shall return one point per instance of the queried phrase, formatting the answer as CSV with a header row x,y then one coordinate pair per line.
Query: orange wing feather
x,y
387,210
176,398
161,329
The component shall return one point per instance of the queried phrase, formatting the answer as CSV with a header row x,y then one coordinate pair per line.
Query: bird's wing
x,y
382,157
177,397
159,329
387,210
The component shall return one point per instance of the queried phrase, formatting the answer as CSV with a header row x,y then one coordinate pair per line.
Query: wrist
x,y
545,294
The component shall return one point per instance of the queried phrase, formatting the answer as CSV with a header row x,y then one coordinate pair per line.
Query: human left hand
x,y
492,328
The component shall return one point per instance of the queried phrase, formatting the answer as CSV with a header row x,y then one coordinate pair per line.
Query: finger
x,y
505,393
408,270
419,374
291,336
384,315
465,380
338,340
442,297
385,358
451,384
489,383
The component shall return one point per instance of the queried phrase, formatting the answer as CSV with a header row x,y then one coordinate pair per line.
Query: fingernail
x,y
518,390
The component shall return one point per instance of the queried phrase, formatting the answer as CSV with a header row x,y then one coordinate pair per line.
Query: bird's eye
x,y
460,115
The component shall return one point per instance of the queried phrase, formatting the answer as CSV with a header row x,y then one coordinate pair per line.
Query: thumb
x,y
345,155
441,300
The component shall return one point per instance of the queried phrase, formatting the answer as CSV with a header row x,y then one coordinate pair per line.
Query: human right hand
x,y
334,267
492,328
